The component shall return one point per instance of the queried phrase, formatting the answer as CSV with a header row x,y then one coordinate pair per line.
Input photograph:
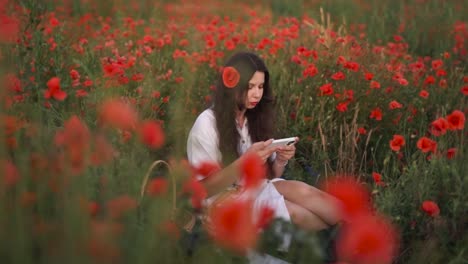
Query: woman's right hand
x,y
262,149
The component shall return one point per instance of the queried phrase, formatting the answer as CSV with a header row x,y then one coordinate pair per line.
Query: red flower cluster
x,y
365,237
431,208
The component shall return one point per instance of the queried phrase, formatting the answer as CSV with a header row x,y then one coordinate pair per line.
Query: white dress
x,y
203,145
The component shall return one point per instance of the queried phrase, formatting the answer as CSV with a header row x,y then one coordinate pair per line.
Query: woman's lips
x,y
253,103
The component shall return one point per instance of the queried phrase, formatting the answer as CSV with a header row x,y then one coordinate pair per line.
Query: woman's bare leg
x,y
304,218
318,202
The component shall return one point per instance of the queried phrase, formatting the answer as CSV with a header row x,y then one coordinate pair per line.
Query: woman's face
x,y
255,91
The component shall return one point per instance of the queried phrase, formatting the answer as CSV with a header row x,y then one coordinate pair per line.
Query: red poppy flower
x,y
377,178
9,29
354,197
424,94
207,168
439,127
196,190
151,134
253,170
326,89
342,107
394,105
370,239
338,76
374,85
456,120
266,216
426,144
116,113
431,208
376,114
157,187
233,226
464,90
10,173
118,206
451,152
231,77
397,142
368,76
54,90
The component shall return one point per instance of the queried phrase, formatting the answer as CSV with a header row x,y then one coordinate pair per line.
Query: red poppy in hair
x,y
231,77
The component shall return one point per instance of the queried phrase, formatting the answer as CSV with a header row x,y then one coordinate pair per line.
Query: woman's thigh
x,y
304,218
311,198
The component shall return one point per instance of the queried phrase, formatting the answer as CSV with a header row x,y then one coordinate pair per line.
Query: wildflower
x,y
326,89
377,178
456,120
426,144
424,94
451,152
118,206
430,208
394,105
157,187
439,127
376,114
338,76
370,239
207,168
397,142
118,114
354,197
151,134
197,191
230,77
233,226
252,170
54,90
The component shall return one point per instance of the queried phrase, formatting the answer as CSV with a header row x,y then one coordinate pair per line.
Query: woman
x,y
242,120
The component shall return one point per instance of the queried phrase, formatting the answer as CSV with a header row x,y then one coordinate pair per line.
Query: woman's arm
x,y
278,167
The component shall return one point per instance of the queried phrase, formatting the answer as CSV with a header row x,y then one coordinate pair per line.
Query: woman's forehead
x,y
258,77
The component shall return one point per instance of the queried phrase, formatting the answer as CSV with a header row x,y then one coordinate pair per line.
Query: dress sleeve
x,y
202,143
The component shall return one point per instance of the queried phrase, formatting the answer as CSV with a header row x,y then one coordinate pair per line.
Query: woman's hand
x,y
285,153
262,149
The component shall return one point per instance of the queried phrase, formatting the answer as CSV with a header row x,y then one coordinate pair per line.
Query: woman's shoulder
x,y
205,120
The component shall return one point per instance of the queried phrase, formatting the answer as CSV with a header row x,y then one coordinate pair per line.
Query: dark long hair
x,y
226,100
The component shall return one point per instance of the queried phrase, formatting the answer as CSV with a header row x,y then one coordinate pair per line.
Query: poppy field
x,y
94,92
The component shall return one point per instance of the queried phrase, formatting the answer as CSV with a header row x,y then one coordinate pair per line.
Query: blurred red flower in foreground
x,y
353,195
75,139
157,187
118,114
252,170
431,208
456,120
207,168
196,190
54,90
233,226
369,239
10,174
151,134
397,142
266,216
9,29
117,207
